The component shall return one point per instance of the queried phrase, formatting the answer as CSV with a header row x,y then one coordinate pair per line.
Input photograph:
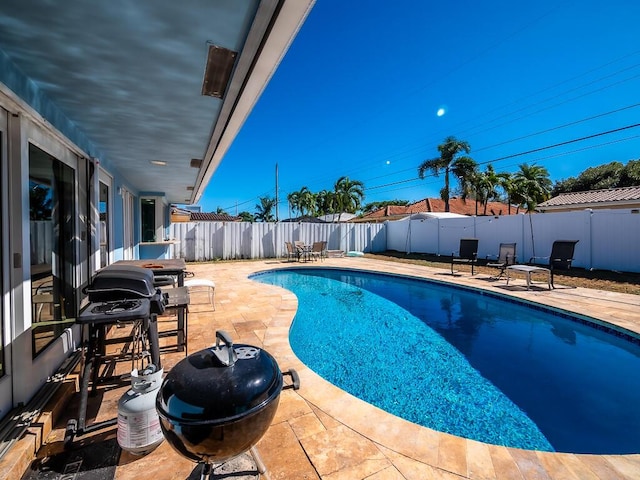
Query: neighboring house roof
x,y
435,205
337,217
213,217
424,215
305,219
624,197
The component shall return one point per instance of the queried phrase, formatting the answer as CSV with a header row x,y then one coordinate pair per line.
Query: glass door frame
x,y
107,180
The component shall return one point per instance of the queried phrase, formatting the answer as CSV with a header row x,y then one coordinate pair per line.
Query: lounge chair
x,y
467,254
506,257
561,256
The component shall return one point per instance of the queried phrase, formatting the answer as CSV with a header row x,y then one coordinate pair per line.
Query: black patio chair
x,y
561,256
506,257
467,254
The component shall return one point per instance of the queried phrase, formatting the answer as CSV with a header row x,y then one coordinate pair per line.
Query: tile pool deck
x,y
321,432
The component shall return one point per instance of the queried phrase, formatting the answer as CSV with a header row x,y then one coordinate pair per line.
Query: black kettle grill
x,y
217,403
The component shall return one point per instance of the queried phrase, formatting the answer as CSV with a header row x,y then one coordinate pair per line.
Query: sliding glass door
x,y
52,215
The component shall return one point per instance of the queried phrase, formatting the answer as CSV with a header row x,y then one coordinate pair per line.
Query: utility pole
x,y
276,191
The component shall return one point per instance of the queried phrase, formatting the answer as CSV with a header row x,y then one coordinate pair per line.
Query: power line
x,y
528,152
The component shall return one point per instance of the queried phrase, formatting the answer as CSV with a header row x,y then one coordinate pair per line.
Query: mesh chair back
x,y
507,254
562,254
468,248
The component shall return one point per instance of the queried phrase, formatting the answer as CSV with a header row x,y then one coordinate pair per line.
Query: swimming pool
x,y
466,363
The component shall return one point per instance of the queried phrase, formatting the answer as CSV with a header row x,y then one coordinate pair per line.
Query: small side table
x,y
528,270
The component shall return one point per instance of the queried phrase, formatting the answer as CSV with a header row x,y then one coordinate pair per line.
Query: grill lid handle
x,y
226,353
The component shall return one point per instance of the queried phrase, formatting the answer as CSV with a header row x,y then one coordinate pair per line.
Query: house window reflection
x,y
52,214
103,206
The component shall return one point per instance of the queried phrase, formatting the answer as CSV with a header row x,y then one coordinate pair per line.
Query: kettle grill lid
x,y
219,384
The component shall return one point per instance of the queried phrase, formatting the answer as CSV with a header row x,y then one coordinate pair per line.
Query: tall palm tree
x,y
534,185
294,202
478,182
490,183
264,210
349,195
450,161
325,202
507,182
307,201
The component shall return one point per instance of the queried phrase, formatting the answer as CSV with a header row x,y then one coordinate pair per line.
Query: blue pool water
x,y
470,364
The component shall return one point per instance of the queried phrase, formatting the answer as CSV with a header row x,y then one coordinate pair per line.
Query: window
x,y
52,212
148,216
152,219
103,206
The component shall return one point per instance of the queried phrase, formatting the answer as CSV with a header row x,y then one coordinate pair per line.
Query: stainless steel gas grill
x,y
117,295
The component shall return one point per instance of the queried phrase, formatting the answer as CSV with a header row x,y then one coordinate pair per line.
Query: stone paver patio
x,y
322,432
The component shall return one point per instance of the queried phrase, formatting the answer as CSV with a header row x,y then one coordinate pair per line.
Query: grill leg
x,y
154,343
262,469
206,471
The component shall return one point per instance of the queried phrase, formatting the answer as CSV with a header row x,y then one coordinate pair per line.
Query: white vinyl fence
x,y
202,241
607,239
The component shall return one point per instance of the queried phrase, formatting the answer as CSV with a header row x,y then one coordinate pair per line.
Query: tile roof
x,y
624,194
456,205
213,217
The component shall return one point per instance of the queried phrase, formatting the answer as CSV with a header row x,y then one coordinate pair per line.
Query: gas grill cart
x,y
117,295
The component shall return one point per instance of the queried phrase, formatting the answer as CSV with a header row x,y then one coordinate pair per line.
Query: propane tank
x,y
139,429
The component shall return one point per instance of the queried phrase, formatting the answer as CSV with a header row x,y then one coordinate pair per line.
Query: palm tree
x,y
307,201
462,167
294,202
479,183
490,182
325,202
507,182
349,195
264,210
246,217
533,185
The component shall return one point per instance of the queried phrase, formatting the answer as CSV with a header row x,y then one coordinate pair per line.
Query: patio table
x,y
528,270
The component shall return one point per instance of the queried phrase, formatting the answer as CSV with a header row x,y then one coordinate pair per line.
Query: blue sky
x,y
358,93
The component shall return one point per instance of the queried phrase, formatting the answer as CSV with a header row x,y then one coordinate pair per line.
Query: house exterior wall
x,y
25,372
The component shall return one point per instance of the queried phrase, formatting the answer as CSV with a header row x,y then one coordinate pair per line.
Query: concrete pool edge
x,y
421,443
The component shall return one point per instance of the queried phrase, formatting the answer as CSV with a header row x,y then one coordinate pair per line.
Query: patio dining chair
x,y
467,253
318,250
561,256
506,257
291,251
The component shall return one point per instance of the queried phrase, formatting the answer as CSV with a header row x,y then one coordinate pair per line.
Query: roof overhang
x,y
275,27
123,81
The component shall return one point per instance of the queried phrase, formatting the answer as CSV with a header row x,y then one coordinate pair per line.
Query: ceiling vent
x,y
220,62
